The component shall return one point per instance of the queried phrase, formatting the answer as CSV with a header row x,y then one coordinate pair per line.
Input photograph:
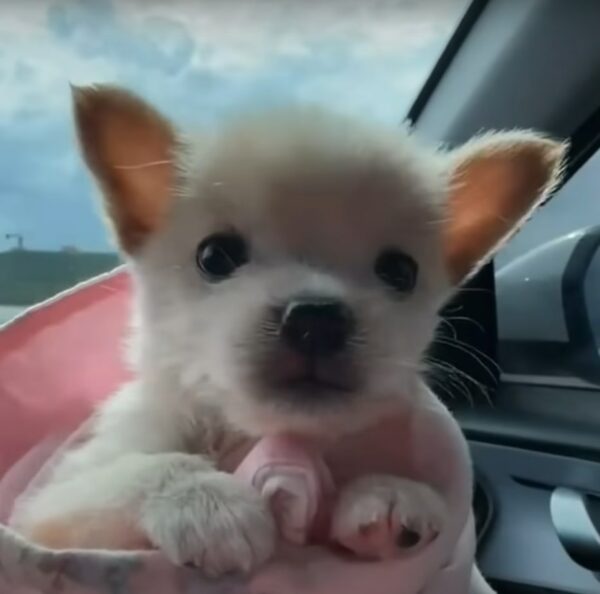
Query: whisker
x,y
447,391
451,375
467,319
485,356
358,339
449,325
269,332
144,165
455,370
455,309
474,290
454,382
476,354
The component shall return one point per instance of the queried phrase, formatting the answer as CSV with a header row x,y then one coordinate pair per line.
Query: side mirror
x,y
548,303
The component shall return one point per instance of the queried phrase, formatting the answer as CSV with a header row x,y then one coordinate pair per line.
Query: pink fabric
x,y
62,358
58,360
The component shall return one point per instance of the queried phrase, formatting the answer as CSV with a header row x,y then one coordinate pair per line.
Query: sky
x,y
199,61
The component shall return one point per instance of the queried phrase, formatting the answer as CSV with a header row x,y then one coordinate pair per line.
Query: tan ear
x,y
128,146
497,180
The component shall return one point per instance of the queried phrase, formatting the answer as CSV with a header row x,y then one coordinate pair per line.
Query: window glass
x,y
197,61
548,289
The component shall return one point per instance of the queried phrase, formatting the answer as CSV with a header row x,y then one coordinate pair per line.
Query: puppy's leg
x,y
175,502
130,486
380,517
210,519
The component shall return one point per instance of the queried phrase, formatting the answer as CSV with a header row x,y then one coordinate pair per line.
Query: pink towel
x,y
44,398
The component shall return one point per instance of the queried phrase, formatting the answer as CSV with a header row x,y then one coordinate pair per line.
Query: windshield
x,y
199,62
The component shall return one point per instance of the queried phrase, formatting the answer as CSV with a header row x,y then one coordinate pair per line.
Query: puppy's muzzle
x,y
316,328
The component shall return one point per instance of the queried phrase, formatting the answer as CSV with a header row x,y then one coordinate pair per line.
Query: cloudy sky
x,y
198,61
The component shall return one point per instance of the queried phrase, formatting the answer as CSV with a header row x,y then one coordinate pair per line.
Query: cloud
x,y
95,30
198,61
235,46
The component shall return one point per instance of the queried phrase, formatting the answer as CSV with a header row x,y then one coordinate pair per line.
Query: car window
x,y
197,61
548,289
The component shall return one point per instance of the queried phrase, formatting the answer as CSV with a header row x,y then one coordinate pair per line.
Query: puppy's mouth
x,y
312,382
308,379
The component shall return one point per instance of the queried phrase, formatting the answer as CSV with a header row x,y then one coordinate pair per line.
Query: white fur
x,y
318,197
212,520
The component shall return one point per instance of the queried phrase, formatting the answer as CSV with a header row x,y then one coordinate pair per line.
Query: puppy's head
x,y
290,268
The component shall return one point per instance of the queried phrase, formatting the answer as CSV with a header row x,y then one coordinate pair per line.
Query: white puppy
x,y
288,275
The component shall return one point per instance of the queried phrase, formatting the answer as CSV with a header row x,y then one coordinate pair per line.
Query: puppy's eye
x,y
220,255
398,270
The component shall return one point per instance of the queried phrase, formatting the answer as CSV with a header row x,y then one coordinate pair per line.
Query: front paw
x,y
212,521
383,517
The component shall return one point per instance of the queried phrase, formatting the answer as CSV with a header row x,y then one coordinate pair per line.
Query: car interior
x,y
531,415
517,357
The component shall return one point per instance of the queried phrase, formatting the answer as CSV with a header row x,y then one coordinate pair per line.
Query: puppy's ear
x,y
128,146
496,182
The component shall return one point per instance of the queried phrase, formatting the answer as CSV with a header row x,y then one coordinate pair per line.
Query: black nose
x,y
316,327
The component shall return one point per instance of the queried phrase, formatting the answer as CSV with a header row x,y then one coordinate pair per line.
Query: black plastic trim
x,y
532,434
584,142
461,32
466,343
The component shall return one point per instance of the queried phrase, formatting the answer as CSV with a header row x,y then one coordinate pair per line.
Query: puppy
x,y
288,275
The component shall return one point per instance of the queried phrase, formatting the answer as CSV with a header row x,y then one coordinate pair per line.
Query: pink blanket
x,y
60,359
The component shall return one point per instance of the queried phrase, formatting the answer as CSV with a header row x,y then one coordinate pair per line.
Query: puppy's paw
x,y
382,517
212,521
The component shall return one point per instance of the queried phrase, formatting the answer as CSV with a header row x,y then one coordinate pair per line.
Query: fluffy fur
x,y
317,197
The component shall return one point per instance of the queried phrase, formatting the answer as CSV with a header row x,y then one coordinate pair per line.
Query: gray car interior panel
x,y
531,63
524,546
